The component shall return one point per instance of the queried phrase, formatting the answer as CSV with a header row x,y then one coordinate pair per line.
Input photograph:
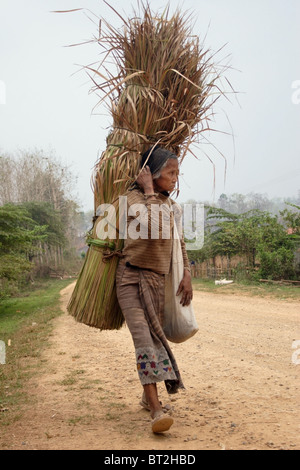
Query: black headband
x,y
156,158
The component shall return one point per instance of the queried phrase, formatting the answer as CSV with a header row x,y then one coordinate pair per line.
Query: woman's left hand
x,y
185,288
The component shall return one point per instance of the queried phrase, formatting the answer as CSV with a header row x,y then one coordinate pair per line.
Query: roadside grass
x,y
25,327
279,292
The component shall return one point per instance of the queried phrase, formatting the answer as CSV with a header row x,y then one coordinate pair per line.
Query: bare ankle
x,y
151,397
156,412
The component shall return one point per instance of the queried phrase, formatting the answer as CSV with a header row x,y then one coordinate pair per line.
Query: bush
x,y
277,264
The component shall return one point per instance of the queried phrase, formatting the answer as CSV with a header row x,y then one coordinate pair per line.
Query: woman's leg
x,y
151,397
152,358
161,422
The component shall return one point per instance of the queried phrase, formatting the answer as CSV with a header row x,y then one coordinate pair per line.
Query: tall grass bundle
x,y
162,92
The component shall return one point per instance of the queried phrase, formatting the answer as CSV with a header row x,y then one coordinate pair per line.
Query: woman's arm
x,y
145,182
185,287
156,226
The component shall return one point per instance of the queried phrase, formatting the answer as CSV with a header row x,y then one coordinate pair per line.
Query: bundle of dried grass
x,y
163,92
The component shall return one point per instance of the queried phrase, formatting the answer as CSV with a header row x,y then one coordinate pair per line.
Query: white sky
x,y
47,105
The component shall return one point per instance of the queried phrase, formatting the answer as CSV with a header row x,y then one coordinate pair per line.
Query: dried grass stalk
x,y
163,92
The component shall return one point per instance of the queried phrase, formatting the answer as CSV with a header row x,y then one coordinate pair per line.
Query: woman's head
x,y
156,158
163,165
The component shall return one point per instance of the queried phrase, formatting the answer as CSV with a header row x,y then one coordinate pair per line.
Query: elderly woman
x,y
141,280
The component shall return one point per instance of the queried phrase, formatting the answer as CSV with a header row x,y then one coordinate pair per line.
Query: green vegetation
x,y
41,228
25,326
266,242
19,236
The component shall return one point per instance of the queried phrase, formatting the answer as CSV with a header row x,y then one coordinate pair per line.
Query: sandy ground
x,y
242,388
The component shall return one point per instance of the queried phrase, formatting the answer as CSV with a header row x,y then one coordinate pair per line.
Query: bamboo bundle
x,y
162,93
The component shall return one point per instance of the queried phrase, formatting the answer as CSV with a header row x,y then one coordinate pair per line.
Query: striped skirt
x,y
141,297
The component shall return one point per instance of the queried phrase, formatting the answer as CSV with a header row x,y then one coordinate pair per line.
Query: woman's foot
x,y
165,408
161,422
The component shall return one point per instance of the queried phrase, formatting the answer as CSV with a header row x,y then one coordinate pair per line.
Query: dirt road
x,y
242,388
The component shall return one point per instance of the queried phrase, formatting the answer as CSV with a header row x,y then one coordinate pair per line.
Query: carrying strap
x,y
109,251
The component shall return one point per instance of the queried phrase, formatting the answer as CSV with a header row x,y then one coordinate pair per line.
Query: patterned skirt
x,y
141,297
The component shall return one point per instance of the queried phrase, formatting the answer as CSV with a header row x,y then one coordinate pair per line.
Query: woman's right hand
x,y
145,180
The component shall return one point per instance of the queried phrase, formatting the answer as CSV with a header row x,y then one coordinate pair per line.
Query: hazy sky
x,y
45,101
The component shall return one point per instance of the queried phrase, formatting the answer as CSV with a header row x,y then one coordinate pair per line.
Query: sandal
x,y
161,423
145,405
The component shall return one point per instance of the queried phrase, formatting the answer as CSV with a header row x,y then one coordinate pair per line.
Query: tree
x,y
278,264
291,219
35,176
50,248
6,179
19,239
39,182
256,235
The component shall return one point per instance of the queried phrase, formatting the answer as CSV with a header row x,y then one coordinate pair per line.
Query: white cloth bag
x,y
179,322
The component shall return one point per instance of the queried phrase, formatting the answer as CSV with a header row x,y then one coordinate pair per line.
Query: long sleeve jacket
x,y
149,233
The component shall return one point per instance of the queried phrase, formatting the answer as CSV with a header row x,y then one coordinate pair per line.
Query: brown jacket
x,y
150,223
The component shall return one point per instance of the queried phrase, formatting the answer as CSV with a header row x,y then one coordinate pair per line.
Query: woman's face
x,y
168,177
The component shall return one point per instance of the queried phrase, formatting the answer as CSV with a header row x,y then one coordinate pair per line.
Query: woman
x,y
141,277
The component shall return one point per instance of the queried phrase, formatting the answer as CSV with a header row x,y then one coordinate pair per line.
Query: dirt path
x,y
242,389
